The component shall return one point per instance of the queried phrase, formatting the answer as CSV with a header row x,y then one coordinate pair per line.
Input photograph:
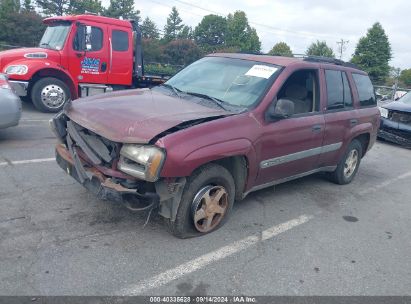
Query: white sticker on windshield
x,y
262,71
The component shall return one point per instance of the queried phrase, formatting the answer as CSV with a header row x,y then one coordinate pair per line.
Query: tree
x,y
185,33
373,52
240,34
27,6
53,7
405,77
281,49
182,51
210,33
77,7
149,29
174,25
122,9
320,48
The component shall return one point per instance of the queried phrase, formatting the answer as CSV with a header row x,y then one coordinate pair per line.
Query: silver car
x,y
10,105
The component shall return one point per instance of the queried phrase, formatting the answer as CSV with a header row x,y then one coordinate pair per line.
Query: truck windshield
x,y
233,81
55,36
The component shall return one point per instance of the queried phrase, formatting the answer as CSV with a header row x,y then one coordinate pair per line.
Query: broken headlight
x,y
144,162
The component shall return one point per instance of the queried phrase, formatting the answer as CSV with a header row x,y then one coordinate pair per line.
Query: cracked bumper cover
x,y
167,196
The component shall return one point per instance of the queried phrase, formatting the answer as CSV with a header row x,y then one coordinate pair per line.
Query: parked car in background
x,y
225,126
396,121
10,105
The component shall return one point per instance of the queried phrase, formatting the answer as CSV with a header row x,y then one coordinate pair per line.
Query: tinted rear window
x,y
365,90
120,41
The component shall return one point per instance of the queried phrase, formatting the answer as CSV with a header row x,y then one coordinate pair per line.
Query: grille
x,y
401,117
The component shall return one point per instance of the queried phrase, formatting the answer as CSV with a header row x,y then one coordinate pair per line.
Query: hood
x,y
136,116
11,56
398,106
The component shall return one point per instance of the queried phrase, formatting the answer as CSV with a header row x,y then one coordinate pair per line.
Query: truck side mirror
x,y
281,109
80,38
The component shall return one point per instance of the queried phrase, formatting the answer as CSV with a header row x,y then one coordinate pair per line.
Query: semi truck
x,y
78,56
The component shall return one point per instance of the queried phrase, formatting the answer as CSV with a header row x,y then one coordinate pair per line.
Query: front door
x,y
89,53
291,146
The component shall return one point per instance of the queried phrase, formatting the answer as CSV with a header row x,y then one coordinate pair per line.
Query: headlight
x,y
384,112
144,162
16,70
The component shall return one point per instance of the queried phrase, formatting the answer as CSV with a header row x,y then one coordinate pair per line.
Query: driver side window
x,y
301,89
88,40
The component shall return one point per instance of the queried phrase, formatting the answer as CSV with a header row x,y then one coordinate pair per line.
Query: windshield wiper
x,y
175,90
217,101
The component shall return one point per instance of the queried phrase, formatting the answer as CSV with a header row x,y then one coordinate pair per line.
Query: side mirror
x,y
281,109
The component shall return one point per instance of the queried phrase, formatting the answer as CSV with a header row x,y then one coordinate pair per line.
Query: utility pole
x,y
342,46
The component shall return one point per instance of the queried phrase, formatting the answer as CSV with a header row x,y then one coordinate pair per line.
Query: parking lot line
x,y
27,161
214,256
384,184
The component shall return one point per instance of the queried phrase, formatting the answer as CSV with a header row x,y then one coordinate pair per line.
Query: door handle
x,y
103,66
353,122
79,55
316,128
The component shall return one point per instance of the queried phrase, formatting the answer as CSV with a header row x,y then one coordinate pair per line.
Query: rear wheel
x,y
50,94
206,203
348,166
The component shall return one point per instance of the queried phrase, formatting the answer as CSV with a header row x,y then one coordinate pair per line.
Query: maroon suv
x,y
225,126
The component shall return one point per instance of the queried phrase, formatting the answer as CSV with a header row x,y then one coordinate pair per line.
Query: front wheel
x,y
50,94
348,166
206,203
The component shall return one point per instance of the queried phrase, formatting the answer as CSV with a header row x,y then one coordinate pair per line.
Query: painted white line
x,y
204,260
385,184
28,161
35,120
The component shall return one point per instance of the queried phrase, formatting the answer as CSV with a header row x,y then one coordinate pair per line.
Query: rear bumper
x,y
99,184
10,109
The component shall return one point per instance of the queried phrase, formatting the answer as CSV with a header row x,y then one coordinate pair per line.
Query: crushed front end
x,y
127,173
396,127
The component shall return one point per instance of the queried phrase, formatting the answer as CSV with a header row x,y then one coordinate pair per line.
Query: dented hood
x,y
135,116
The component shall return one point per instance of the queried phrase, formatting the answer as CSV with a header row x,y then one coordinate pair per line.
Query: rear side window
x,y
365,90
338,90
120,41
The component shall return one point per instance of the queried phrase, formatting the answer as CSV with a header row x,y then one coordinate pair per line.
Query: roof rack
x,y
330,60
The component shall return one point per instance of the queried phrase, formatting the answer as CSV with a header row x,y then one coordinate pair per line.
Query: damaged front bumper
x,y
397,132
91,160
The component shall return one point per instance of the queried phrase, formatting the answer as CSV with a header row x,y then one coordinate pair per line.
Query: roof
x,y
91,18
288,61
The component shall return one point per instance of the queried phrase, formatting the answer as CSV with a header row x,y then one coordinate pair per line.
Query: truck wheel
x,y
348,166
50,94
206,203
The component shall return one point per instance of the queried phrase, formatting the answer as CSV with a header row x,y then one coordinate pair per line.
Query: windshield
x,y
233,81
406,98
55,36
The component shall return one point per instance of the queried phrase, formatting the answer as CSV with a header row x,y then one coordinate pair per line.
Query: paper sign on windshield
x,y
262,71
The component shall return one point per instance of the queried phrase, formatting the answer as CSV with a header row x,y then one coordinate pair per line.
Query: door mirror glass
x,y
281,109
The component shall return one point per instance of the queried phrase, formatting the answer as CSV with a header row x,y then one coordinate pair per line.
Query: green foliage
x,y
27,24
161,69
174,25
152,50
77,7
320,48
405,77
281,49
122,8
53,7
185,33
240,34
149,29
8,7
210,33
373,52
182,52
27,6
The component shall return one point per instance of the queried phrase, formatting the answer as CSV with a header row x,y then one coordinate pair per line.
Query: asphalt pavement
x,y
305,237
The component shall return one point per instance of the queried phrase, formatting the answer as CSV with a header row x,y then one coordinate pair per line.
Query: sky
x,y
301,22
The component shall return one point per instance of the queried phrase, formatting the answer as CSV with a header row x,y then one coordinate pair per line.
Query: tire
x,y
50,94
342,174
211,179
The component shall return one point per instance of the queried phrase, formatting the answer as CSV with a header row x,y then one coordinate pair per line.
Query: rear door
x,y
121,56
339,114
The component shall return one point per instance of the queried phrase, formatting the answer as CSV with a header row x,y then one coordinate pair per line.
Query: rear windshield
x,y
365,90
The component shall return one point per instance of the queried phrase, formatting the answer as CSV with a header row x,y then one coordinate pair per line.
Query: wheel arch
x,y
55,73
364,139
